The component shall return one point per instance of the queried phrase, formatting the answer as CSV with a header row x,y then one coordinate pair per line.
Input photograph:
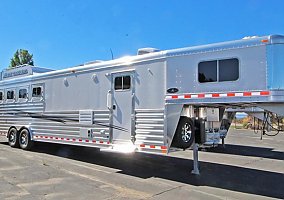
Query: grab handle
x,y
109,100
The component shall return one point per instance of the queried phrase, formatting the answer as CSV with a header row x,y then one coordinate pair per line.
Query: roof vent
x,y
143,51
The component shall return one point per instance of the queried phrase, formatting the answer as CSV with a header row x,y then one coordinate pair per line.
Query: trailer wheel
x,y
25,141
184,135
13,138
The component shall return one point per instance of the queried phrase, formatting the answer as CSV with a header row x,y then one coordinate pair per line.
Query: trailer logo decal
x,y
172,90
61,119
17,72
218,95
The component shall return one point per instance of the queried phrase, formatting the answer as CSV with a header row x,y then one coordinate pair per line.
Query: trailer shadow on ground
x,y
240,179
248,151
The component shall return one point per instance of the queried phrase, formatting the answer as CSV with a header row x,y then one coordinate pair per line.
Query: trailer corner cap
x,y
146,50
276,39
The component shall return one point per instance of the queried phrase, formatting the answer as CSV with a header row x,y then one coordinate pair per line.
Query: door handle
x,y
109,100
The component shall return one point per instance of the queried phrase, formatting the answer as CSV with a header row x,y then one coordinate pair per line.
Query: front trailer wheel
x,y
13,138
25,141
185,132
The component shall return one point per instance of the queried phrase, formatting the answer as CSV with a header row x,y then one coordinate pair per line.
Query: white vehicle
x,y
152,102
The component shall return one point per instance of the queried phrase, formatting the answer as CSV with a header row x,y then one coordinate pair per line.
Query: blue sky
x,y
64,33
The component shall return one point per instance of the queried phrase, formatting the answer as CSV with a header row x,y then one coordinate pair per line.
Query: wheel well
x,y
175,133
178,141
11,128
23,127
18,131
199,129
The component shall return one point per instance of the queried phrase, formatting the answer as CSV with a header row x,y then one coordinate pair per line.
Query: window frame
x,y
6,93
234,58
18,94
39,97
122,82
218,71
114,83
3,96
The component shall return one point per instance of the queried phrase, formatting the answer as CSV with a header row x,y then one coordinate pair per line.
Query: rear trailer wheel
x,y
13,138
25,141
184,135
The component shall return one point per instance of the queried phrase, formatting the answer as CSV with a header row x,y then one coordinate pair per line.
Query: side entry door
x,y
122,106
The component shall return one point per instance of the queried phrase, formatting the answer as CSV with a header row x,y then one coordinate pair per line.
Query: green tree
x,y
21,57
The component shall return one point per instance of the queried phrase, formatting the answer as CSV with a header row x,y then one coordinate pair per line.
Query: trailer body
x,y
136,103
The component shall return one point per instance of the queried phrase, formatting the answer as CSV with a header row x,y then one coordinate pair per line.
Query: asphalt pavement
x,y
248,168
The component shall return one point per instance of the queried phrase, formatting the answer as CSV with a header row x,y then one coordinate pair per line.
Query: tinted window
x,y
118,83
122,83
10,94
218,70
207,71
1,96
37,92
126,82
229,70
23,93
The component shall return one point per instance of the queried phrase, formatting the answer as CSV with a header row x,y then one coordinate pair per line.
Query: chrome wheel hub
x,y
24,139
12,137
186,132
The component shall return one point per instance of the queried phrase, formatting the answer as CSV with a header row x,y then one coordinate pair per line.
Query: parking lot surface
x,y
248,168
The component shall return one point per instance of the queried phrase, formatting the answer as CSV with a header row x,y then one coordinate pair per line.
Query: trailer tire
x,y
185,132
13,136
25,141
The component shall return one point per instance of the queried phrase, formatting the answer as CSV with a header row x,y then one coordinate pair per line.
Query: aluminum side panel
x,y
275,64
182,71
150,85
149,127
17,114
79,91
172,118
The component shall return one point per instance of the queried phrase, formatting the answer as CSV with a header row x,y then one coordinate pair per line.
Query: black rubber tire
x,y
185,133
13,136
25,141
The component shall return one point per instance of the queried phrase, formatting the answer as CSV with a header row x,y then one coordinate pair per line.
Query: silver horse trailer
x,y
153,102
